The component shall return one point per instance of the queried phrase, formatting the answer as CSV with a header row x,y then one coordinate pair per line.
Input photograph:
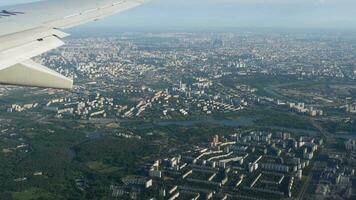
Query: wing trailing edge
x,y
30,73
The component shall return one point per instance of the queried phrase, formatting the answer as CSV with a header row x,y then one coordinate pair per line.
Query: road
x,y
326,135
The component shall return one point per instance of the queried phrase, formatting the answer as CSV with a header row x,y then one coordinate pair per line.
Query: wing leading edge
x,y
33,29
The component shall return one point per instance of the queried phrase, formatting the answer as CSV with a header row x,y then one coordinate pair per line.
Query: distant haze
x,y
217,14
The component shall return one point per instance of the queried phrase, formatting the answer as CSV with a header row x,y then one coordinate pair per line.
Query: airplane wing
x,y
28,30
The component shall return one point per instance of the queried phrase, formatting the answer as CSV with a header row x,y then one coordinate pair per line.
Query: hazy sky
x,y
202,14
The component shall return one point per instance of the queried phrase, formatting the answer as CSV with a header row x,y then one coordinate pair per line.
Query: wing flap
x,y
21,38
29,73
26,51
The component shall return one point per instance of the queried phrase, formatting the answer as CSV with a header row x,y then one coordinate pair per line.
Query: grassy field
x,y
101,167
33,193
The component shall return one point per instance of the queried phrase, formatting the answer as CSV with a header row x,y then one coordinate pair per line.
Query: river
x,y
243,121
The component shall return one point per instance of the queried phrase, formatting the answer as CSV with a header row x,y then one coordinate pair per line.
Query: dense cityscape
x,y
249,115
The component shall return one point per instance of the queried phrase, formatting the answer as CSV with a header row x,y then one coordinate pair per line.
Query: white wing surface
x,y
29,30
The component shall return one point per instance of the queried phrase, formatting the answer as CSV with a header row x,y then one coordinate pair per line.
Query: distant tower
x,y
218,43
215,141
348,100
